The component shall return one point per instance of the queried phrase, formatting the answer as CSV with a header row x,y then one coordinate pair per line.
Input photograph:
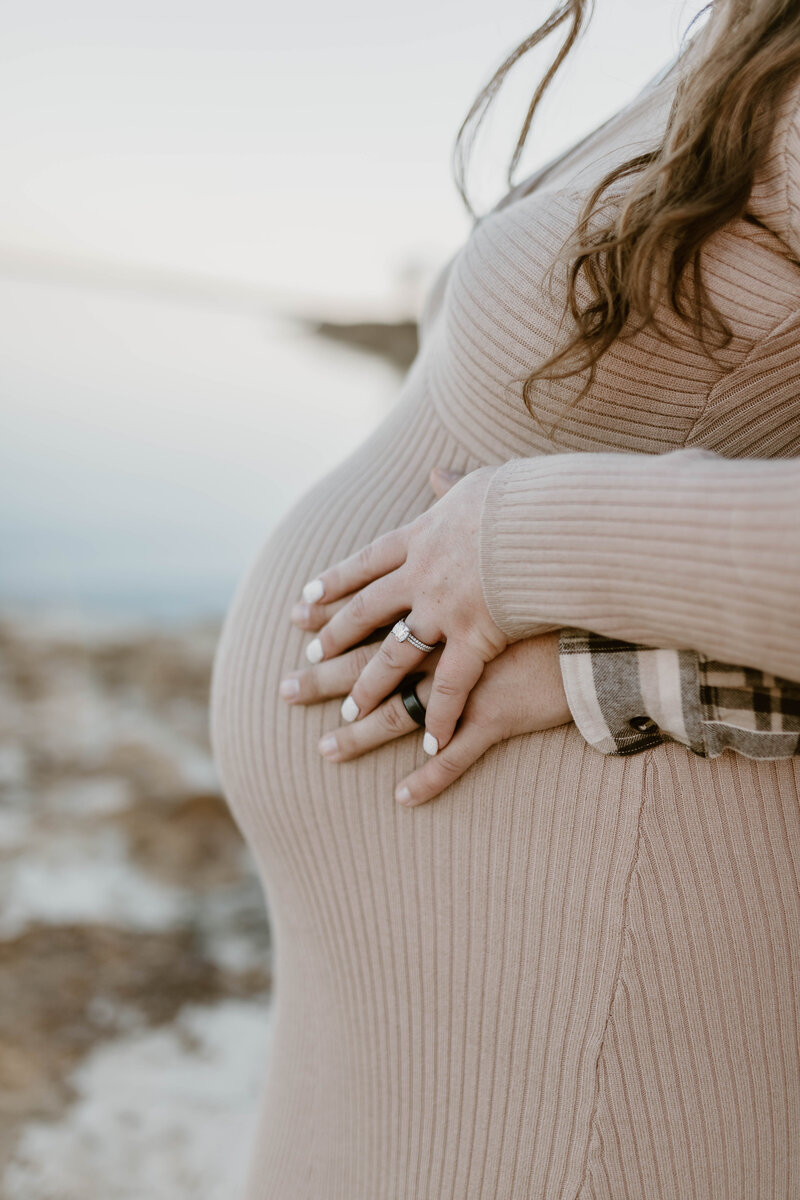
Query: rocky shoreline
x,y
131,916
395,341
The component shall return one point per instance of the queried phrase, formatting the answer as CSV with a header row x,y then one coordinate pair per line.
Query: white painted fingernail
x,y
430,744
313,591
327,744
314,651
403,795
289,688
349,709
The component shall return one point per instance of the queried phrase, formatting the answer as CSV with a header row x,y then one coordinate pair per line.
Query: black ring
x,y
408,694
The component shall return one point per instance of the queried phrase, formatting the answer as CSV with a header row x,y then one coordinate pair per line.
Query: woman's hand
x,y
519,691
428,572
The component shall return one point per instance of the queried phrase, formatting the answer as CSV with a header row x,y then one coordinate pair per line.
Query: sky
x,y
303,150
177,177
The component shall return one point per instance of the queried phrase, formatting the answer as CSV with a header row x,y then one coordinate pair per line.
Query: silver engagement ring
x,y
404,634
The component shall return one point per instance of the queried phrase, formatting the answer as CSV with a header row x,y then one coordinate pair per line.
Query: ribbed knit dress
x,y
571,975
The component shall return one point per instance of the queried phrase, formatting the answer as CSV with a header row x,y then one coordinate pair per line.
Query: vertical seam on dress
x,y
646,773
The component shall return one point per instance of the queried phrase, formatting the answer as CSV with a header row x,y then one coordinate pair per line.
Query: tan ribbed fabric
x,y
688,549
571,975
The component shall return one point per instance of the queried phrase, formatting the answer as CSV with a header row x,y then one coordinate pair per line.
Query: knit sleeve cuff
x,y
556,540
508,557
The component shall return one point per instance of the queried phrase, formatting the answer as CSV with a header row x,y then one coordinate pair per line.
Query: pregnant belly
x,y
409,944
266,750
440,970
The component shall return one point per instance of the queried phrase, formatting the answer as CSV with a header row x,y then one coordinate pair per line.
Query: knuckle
x,y
359,658
366,558
358,607
391,652
333,681
393,716
487,722
447,686
447,764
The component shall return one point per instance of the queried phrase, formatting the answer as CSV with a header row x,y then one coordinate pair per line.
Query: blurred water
x,y
148,446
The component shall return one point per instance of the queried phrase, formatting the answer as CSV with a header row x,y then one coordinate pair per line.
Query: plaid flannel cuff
x,y
749,711
625,698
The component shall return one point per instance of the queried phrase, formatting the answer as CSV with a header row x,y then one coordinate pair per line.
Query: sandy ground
x,y
134,946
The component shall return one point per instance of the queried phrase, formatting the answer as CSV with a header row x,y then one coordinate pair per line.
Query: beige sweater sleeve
x,y
686,549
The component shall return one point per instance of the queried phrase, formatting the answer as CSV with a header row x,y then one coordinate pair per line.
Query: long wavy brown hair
x,y
647,246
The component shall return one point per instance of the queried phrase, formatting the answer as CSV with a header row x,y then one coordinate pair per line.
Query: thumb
x,y
442,479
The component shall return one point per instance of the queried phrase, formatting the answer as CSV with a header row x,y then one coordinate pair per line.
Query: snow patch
x,y
162,1115
73,879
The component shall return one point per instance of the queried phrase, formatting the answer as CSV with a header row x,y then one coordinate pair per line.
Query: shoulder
x,y
775,197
